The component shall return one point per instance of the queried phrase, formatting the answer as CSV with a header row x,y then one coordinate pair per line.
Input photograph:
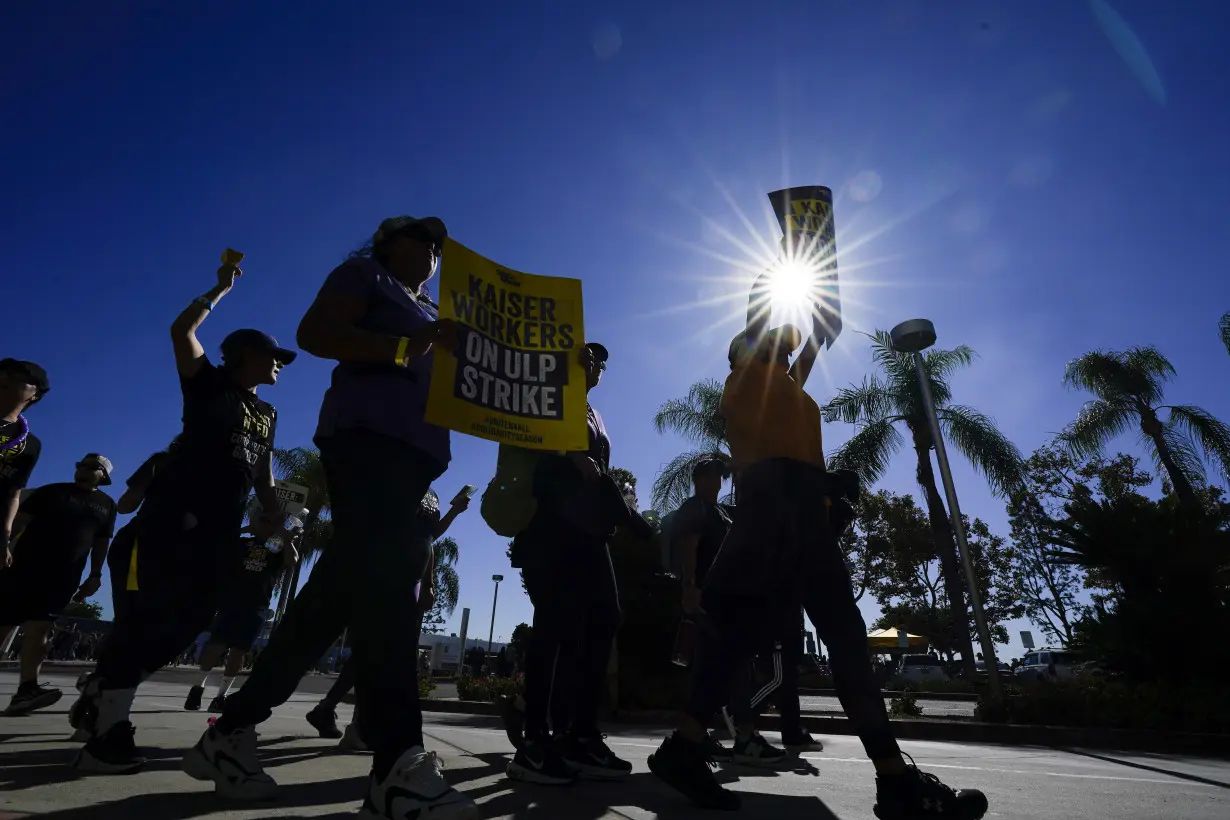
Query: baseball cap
x,y
710,464
431,226
101,462
250,339
787,336
29,370
601,354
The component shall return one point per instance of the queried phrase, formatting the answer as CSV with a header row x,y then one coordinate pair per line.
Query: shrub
x,y
490,688
1110,703
426,686
905,706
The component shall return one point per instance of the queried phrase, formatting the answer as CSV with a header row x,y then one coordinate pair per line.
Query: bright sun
x,y
793,281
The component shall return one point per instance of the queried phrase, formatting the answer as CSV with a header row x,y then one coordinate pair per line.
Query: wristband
x,y
201,300
400,356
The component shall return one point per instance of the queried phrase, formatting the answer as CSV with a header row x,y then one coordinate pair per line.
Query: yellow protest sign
x,y
516,378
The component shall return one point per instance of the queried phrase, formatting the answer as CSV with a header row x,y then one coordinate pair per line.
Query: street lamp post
x,y
913,337
494,601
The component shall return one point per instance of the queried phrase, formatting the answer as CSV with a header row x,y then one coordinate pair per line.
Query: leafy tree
x,y
86,610
1053,479
891,398
1128,386
697,418
448,587
302,465
520,639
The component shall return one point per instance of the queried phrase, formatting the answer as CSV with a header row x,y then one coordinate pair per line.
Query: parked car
x,y
916,668
1048,664
1005,671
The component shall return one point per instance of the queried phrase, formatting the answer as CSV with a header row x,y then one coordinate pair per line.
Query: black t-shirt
x,y
64,521
709,522
258,573
16,463
210,474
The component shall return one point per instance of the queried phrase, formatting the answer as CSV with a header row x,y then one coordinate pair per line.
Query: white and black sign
x,y
525,383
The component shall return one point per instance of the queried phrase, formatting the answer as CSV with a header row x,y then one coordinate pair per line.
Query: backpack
x,y
508,503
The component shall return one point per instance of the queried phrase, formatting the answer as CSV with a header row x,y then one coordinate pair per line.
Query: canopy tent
x,y
890,639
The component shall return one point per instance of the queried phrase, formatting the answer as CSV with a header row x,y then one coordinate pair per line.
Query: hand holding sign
x,y
229,272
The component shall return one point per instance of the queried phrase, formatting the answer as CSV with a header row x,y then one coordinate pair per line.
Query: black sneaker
x,y
514,721
217,705
715,749
539,761
917,795
112,752
32,696
688,769
324,721
803,743
592,758
193,701
756,751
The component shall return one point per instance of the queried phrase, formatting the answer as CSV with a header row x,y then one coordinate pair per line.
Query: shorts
x,y
32,596
237,627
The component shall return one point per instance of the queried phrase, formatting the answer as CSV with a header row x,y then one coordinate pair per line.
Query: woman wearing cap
x,y
780,555
380,458
60,524
187,530
21,385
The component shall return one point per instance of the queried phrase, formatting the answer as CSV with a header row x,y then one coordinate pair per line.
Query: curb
x,y
965,731
963,697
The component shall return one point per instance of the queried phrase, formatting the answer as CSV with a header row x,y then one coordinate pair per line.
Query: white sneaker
x,y
415,789
230,762
351,742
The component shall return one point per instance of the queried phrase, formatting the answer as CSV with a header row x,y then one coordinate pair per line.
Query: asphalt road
x,y
1024,783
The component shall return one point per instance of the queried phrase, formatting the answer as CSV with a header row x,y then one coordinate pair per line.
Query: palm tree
x,y
1225,330
448,585
698,418
892,397
302,465
1129,387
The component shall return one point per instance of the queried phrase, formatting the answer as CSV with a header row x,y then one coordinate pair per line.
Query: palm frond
x,y
869,451
448,588
943,363
1224,329
1095,426
446,551
673,484
1206,430
991,453
1182,451
302,465
869,401
1151,369
1136,374
696,417
897,367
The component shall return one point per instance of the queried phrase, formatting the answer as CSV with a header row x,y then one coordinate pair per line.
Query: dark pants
x,y
179,574
751,695
343,684
781,551
571,584
119,556
363,581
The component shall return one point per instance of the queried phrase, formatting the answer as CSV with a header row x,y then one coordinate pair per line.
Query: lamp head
x,y
913,336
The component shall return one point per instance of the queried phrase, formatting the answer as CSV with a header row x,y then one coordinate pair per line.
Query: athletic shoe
x,y
324,721
592,758
686,768
112,752
756,751
917,795
803,743
539,761
30,697
415,788
217,705
715,749
193,701
514,721
351,741
230,762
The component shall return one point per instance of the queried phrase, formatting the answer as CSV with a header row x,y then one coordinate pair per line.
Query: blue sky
x,y
1001,168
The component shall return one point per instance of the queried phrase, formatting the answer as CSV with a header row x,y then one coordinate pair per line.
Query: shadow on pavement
x,y
589,800
1132,764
